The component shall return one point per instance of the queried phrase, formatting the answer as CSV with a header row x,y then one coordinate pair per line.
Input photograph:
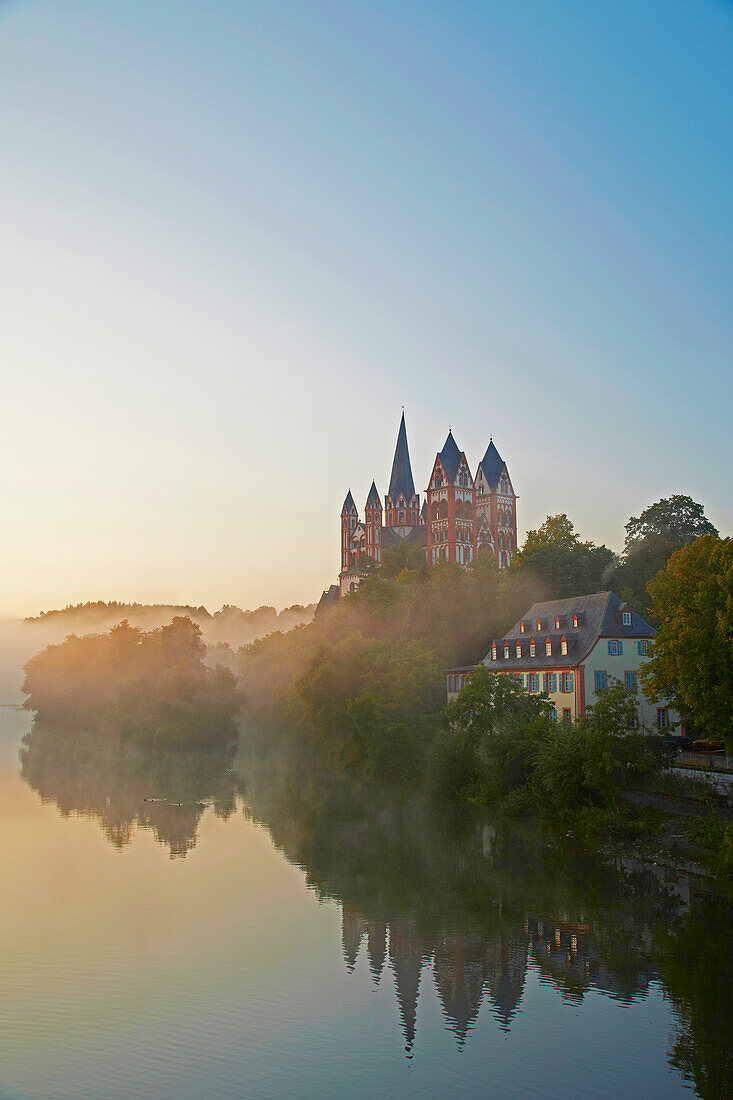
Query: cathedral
x,y
462,515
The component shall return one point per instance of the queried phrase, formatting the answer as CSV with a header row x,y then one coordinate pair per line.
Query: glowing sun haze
x,y
236,238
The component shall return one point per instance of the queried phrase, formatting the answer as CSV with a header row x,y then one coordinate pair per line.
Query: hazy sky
x,y
235,237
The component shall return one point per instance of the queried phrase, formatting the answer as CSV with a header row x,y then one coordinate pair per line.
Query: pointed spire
x,y
349,505
450,457
373,500
401,480
492,464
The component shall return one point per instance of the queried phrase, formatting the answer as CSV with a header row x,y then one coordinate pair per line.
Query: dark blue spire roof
x,y
401,480
450,458
373,500
492,464
349,505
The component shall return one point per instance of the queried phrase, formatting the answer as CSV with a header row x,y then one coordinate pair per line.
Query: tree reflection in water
x,y
468,904
127,787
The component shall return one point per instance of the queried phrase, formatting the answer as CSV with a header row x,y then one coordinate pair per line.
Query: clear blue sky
x,y
237,237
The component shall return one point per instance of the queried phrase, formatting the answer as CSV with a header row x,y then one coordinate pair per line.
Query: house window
x,y
539,625
506,652
614,647
601,681
533,681
532,649
662,718
626,618
549,681
567,682
575,622
641,648
630,681
553,714
493,653
563,647
521,628
566,714
518,649
557,622
548,648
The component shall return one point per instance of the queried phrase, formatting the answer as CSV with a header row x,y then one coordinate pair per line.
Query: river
x,y
235,928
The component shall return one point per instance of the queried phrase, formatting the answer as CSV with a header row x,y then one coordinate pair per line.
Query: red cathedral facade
x,y
463,514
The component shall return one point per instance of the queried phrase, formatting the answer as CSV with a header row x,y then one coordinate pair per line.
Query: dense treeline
x,y
230,625
364,682
152,688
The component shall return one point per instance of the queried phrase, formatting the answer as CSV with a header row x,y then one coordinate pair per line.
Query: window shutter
x,y
621,648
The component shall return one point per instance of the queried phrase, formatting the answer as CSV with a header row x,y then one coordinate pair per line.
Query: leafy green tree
x,y
677,519
651,539
403,555
494,729
692,654
563,564
590,762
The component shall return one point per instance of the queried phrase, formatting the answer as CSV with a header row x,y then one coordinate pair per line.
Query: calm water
x,y
269,937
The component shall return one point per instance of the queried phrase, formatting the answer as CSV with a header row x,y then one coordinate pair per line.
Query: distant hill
x,y
231,624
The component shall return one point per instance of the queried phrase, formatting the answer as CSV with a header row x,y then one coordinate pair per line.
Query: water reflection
x,y
452,904
126,787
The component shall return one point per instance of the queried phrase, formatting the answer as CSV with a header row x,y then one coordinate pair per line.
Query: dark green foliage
x,y
564,565
677,519
692,656
651,539
152,687
592,761
504,747
714,836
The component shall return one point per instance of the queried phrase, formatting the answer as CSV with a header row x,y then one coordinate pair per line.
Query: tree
x,y
692,654
564,565
677,519
651,538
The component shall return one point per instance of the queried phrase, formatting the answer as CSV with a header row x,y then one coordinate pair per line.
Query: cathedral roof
x,y
450,458
401,479
492,464
349,505
373,500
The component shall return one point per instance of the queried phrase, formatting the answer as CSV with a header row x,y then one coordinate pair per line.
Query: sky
x,y
237,237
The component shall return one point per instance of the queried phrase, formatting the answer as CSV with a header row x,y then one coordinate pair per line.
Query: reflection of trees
x,y
697,971
473,905
126,786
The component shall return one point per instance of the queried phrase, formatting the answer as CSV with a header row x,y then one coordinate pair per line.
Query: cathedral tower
x,y
401,504
496,509
373,524
450,507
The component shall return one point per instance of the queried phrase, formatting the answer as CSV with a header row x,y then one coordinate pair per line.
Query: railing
x,y
705,761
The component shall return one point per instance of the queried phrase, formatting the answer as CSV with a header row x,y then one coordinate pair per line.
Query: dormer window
x,y
506,652
532,649
557,622
493,652
575,621
519,649
626,618
539,624
521,628
564,647
548,648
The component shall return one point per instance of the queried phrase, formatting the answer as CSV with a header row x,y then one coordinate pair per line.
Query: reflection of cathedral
x,y
469,968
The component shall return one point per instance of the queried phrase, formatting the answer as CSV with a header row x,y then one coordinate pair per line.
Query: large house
x,y
571,649
462,515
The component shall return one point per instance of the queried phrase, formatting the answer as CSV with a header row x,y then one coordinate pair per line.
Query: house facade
x,y
572,649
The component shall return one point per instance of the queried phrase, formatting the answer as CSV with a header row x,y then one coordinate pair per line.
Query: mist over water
x,y
237,923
